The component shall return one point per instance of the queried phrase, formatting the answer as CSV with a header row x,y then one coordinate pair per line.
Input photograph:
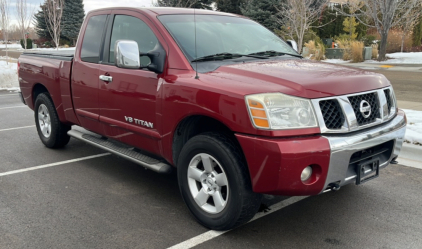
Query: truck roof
x,y
170,11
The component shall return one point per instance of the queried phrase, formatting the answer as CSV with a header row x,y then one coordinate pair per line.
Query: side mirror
x,y
157,57
127,54
292,44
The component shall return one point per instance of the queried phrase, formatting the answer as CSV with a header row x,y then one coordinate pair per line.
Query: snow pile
x,y
8,75
414,127
46,49
3,46
336,61
402,58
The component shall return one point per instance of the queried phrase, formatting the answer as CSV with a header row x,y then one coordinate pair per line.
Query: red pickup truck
x,y
235,109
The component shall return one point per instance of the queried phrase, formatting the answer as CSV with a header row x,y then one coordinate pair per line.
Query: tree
x,y
385,14
24,15
197,4
40,24
4,22
417,33
262,11
73,15
53,16
408,23
297,16
350,25
230,6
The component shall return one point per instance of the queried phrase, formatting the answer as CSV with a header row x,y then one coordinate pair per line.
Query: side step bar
x,y
122,150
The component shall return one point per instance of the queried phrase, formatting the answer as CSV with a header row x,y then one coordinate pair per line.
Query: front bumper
x,y
275,164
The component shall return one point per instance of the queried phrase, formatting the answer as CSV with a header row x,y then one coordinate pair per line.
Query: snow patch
x,y
8,76
10,46
335,61
414,127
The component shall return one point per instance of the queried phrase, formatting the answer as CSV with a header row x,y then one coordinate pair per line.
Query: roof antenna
x,y
196,53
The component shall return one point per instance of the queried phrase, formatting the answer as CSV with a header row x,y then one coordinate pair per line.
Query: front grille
x,y
332,113
387,96
372,99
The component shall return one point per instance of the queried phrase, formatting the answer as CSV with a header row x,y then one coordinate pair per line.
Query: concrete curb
x,y
411,155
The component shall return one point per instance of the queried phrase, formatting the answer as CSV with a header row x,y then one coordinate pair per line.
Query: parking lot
x,y
82,197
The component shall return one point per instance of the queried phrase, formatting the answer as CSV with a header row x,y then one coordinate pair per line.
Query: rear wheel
x,y
215,183
51,131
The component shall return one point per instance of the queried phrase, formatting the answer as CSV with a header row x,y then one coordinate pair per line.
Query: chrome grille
x,y
388,98
372,99
342,114
332,113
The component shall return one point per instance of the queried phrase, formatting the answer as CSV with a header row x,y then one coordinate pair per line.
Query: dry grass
x,y
345,45
316,50
356,51
374,51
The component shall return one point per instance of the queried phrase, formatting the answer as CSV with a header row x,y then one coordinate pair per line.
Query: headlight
x,y
277,111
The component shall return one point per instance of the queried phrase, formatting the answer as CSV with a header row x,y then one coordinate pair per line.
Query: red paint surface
x,y
275,165
275,158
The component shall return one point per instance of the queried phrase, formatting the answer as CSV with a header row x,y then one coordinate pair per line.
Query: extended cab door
x,y
85,71
128,99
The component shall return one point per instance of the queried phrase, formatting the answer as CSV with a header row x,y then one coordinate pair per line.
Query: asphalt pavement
x,y
82,197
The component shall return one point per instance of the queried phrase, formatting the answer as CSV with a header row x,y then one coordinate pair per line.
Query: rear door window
x,y
92,39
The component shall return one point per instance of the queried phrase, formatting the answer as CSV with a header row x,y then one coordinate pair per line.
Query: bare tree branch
x,y
385,14
24,16
298,16
53,11
4,23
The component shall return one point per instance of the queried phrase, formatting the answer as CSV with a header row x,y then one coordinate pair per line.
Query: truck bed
x,y
66,55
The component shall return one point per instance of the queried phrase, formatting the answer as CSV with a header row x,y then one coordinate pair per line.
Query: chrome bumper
x,y
344,146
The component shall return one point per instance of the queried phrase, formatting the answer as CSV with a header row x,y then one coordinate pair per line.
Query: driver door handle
x,y
106,78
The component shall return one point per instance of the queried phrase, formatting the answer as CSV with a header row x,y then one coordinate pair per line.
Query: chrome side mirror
x,y
293,44
127,54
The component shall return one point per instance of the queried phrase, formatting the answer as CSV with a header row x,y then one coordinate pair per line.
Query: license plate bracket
x,y
367,170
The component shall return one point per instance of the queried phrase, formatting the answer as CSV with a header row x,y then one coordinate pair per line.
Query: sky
x,y
88,4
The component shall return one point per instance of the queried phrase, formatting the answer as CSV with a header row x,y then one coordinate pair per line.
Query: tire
x,y
51,131
211,168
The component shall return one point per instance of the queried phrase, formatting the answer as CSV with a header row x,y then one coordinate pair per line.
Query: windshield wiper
x,y
271,53
225,56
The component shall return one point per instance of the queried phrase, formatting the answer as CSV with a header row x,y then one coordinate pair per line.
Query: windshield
x,y
217,34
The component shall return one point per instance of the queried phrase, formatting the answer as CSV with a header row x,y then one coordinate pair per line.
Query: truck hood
x,y
302,78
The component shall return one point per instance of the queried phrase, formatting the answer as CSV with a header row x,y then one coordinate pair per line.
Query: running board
x,y
122,150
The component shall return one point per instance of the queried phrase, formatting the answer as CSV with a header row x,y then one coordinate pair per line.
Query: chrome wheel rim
x,y
208,183
44,120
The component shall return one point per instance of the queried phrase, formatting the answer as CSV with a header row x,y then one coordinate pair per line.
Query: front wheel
x,y
215,183
51,131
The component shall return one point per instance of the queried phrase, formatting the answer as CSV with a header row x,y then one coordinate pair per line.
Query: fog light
x,y
306,174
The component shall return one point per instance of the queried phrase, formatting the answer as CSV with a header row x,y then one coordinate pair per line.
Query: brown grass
x,y
374,51
345,45
356,49
316,50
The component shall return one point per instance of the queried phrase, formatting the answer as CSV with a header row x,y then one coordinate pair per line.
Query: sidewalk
x,y
417,106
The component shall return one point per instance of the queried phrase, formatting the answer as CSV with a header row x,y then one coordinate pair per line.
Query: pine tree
x,y
349,25
263,12
41,25
230,6
197,4
417,33
73,16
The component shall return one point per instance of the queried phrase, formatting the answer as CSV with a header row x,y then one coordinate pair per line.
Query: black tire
x,y
241,202
57,137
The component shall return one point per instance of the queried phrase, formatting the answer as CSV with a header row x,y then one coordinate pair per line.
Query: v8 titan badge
x,y
139,122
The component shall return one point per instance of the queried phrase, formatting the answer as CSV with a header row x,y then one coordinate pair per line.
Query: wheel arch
x,y
194,125
37,90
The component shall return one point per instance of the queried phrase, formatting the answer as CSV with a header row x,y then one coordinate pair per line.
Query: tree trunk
x,y
402,40
383,47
